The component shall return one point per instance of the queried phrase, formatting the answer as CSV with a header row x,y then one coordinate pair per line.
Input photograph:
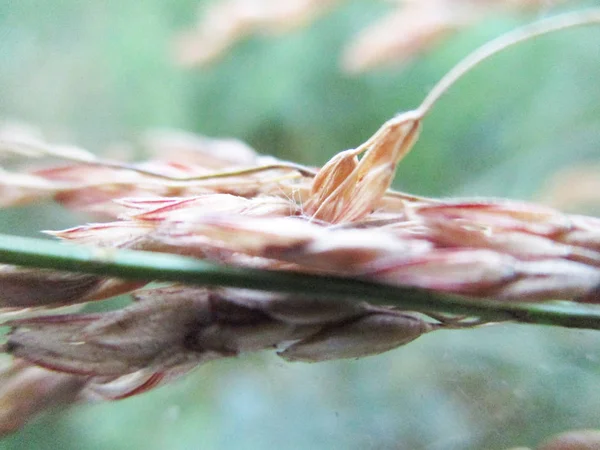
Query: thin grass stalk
x,y
148,266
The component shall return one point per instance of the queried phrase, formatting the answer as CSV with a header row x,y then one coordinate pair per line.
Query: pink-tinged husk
x,y
472,272
326,184
573,440
169,330
23,288
227,22
193,150
33,288
353,195
294,240
500,214
188,208
423,25
159,225
110,344
92,185
292,309
551,279
523,245
18,189
27,390
124,386
585,233
148,214
449,254
369,335
110,234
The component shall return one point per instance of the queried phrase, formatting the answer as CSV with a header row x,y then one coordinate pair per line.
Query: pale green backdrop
x,y
99,72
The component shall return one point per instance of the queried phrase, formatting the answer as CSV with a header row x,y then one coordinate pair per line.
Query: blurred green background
x,y
98,72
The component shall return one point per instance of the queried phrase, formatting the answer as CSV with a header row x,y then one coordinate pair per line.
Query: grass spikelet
x,y
338,226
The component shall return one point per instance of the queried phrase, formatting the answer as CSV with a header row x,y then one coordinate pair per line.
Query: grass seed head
x,y
344,221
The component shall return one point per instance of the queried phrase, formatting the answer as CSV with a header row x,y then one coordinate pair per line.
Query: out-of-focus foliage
x,y
409,29
100,73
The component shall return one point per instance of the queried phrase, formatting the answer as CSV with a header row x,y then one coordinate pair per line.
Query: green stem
x,y
147,266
